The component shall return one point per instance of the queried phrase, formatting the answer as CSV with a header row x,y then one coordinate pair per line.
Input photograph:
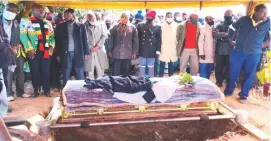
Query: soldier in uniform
x,y
149,36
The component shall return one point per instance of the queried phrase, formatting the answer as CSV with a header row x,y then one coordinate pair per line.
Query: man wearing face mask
x,y
206,48
72,46
177,17
223,48
251,32
12,29
149,35
123,45
138,18
187,44
96,37
37,36
168,52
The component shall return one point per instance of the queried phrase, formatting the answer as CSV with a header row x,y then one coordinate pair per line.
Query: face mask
x,y
9,15
193,21
169,20
149,20
178,18
227,18
108,25
124,20
92,23
211,23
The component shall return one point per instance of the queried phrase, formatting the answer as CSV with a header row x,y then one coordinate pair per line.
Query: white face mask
x,y
178,18
9,15
169,20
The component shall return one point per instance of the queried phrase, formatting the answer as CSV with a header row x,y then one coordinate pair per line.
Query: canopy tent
x,y
140,4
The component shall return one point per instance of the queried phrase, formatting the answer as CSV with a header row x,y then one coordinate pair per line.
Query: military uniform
x,y
149,43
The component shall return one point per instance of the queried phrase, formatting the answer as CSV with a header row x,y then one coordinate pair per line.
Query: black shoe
x,y
219,84
36,94
47,94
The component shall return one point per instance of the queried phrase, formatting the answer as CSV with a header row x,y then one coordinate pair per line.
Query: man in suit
x,y
71,46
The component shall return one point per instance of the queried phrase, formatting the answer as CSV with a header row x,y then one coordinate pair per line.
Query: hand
x,y
93,49
232,43
51,50
85,57
134,56
58,58
110,55
31,54
13,49
202,57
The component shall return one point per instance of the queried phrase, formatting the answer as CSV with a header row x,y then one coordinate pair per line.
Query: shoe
x,y
10,98
47,95
56,90
10,109
36,94
243,101
219,84
26,96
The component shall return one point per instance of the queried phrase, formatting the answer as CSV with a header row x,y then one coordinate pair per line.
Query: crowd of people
x,y
88,47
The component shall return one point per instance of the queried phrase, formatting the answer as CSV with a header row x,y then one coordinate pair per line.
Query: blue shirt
x,y
250,38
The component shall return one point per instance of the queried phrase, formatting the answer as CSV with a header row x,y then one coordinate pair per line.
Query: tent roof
x,y
139,4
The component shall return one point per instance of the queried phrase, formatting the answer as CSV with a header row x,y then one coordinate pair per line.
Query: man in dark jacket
x,y
247,53
123,45
223,48
71,46
12,29
149,36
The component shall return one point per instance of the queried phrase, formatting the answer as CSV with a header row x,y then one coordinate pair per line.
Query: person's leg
x,y
46,75
67,71
203,70
126,64
209,69
54,73
19,73
79,72
226,67
170,69
162,68
98,67
236,63
184,60
3,97
34,65
5,76
10,93
142,66
156,66
117,67
150,63
219,69
194,63
93,61
250,66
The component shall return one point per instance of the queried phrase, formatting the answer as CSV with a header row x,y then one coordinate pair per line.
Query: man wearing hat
x,y
149,36
138,18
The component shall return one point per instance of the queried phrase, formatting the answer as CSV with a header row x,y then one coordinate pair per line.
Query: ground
x,y
257,107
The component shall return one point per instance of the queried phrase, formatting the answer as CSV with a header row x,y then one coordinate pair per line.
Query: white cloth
x,y
3,97
206,44
168,48
95,65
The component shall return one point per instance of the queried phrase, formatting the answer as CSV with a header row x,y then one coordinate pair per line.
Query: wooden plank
x,y
256,132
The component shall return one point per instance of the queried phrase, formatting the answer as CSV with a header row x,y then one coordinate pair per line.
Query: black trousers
x,y
121,67
221,67
40,72
55,73
162,69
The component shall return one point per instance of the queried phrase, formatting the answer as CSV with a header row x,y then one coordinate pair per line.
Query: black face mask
x,y
228,18
149,20
137,21
108,25
211,23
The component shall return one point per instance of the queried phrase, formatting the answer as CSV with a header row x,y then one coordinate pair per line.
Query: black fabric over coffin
x,y
125,84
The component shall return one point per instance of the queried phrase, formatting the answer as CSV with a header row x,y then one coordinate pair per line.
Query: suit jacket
x,y
181,31
206,44
81,46
149,40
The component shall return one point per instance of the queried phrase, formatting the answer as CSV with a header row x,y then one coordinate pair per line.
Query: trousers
x,y
146,63
189,56
206,69
221,67
95,64
121,67
162,69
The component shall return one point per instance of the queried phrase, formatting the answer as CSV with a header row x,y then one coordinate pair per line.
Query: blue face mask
x,y
193,21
